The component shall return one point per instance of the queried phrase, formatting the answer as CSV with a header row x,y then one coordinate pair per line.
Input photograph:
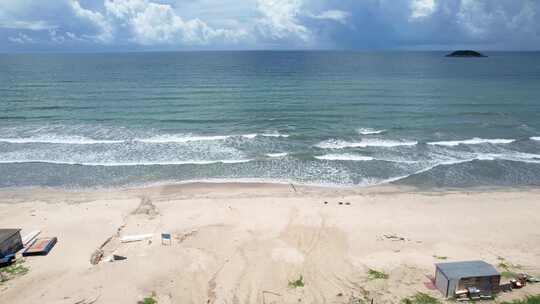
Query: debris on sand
x,y
146,207
395,238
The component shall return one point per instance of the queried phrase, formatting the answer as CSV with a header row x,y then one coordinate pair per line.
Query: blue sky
x,y
118,25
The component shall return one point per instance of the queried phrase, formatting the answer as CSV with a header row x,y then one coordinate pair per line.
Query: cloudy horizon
x,y
146,25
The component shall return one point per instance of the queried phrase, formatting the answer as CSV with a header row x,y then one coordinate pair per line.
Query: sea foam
x,y
472,141
72,140
341,144
350,157
120,164
370,131
276,155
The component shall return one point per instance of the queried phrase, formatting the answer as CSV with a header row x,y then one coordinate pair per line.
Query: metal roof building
x,y
450,277
10,241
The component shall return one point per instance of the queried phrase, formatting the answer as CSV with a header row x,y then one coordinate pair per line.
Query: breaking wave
x,y
160,139
351,157
472,141
121,164
370,131
74,140
276,155
341,144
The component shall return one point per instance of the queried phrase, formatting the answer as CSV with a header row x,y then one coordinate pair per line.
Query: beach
x,y
255,243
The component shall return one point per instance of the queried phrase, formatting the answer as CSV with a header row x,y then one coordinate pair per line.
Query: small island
x,y
465,53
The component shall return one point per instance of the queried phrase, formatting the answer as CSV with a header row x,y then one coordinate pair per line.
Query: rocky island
x,y
465,53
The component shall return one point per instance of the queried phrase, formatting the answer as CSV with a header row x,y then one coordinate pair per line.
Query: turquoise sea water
x,y
332,118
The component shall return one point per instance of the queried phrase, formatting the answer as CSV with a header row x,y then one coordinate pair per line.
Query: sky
x,y
148,25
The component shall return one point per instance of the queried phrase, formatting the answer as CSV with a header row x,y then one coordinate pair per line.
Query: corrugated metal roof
x,y
458,270
7,233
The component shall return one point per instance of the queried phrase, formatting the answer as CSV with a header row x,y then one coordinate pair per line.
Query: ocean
x,y
332,118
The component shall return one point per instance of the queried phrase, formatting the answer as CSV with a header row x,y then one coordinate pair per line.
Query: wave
x,y
276,155
516,156
250,136
275,134
163,139
130,164
75,140
341,144
351,157
160,139
535,138
472,141
370,131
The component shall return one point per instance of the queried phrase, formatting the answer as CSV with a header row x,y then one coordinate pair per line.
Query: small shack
x,y
450,277
10,241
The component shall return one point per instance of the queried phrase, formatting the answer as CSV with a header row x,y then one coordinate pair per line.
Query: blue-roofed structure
x,y
453,276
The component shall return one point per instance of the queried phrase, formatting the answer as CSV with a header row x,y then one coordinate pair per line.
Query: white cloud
x,y
21,39
26,25
95,18
154,23
56,37
334,15
422,8
280,19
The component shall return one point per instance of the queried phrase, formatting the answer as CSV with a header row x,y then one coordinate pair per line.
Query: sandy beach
x,y
245,243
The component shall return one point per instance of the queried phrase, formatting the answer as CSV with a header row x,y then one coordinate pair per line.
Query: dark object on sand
x,y
465,53
7,260
10,242
506,287
451,277
41,246
119,257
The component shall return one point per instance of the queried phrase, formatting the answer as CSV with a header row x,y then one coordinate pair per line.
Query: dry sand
x,y
244,243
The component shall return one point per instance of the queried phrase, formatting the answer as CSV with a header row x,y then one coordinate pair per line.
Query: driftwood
x,y
96,257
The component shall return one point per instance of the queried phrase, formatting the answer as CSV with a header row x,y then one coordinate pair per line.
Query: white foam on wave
x,y
276,155
535,138
181,138
370,131
130,164
472,141
341,144
274,134
513,156
250,136
164,139
72,140
345,157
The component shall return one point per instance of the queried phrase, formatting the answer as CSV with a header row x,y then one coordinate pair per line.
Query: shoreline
x,y
269,188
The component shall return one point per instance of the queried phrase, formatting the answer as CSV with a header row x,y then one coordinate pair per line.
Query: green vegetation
x,y
376,275
507,266
439,257
13,270
420,298
527,300
149,300
508,274
299,283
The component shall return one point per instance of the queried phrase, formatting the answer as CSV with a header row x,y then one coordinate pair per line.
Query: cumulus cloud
x,y
154,23
334,15
280,19
95,18
422,8
394,24
21,39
